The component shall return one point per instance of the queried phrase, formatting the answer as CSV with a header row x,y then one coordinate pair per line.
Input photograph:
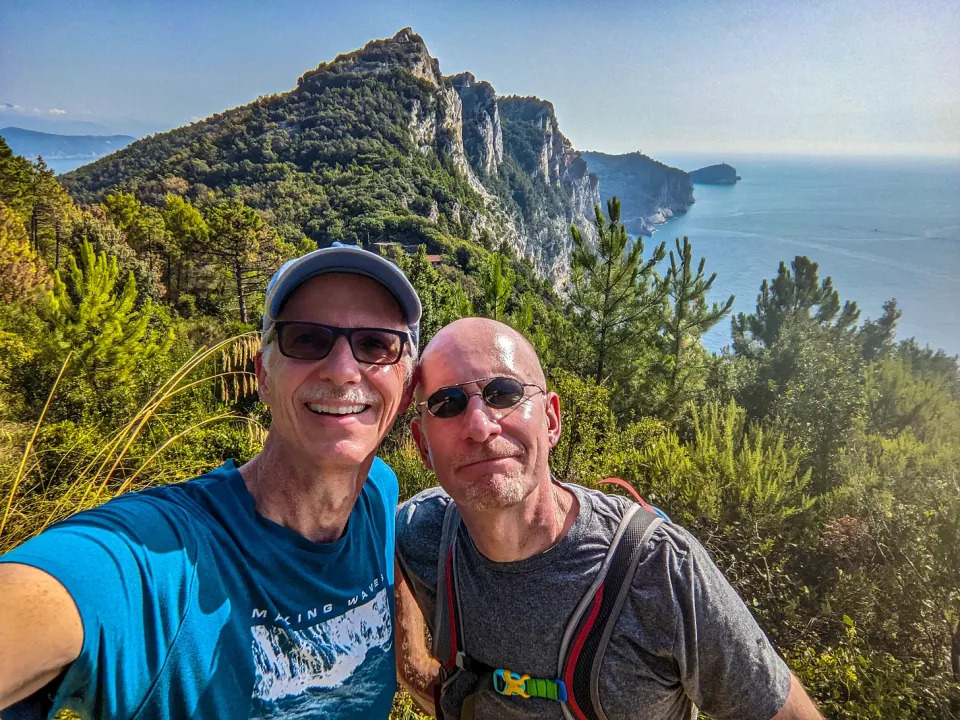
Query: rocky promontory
x,y
650,192
722,174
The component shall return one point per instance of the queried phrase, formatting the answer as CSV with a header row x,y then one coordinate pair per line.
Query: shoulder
x,y
420,519
671,557
419,525
156,519
678,582
382,482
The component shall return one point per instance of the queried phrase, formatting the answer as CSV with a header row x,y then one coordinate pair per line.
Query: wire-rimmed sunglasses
x,y
314,341
499,393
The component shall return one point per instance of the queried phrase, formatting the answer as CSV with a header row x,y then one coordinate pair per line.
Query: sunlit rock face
x,y
482,134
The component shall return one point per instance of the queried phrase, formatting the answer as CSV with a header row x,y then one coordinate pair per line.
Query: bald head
x,y
486,346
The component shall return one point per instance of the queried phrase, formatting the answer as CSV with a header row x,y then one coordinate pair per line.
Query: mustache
x,y
498,449
353,395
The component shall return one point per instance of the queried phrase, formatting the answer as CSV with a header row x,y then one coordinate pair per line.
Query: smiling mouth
x,y
337,410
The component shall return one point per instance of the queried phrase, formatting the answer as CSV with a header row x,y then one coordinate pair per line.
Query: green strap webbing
x,y
542,688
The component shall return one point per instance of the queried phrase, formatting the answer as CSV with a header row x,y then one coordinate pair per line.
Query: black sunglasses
x,y
499,393
313,341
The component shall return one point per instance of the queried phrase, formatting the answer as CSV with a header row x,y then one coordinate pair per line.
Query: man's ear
x,y
408,391
263,387
416,428
554,426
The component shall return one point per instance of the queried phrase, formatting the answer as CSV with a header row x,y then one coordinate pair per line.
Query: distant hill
x,y
30,144
722,174
649,191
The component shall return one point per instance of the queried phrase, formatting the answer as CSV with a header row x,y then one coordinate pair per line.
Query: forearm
x,y
417,671
798,706
419,679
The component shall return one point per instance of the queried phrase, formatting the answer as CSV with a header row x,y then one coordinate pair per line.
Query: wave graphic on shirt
x,y
309,667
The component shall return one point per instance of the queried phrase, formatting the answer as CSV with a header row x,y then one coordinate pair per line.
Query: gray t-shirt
x,y
684,638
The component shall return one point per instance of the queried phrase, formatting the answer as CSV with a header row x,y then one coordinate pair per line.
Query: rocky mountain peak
x,y
405,50
407,35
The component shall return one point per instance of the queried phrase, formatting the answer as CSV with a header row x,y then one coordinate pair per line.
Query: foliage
x,y
22,272
616,295
496,285
246,247
728,472
791,294
442,301
91,315
687,318
854,680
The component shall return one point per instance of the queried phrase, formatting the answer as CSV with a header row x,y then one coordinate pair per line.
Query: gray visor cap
x,y
341,259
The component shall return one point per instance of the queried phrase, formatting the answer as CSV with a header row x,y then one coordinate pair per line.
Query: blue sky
x,y
868,77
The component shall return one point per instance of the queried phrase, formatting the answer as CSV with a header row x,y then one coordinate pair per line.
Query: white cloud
x,y
13,107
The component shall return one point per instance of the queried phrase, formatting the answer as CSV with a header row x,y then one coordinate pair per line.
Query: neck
x,y
312,500
525,529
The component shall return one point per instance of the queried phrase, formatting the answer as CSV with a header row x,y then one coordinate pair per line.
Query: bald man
x,y
509,554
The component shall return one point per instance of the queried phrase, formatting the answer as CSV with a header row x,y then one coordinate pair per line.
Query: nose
x,y
478,423
340,367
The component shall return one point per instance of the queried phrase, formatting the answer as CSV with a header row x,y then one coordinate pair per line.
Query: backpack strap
x,y
588,631
447,632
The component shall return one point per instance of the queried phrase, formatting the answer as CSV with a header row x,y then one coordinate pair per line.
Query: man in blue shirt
x,y
264,591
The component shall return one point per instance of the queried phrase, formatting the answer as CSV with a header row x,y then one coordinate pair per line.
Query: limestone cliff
x,y
533,184
551,185
482,133
649,191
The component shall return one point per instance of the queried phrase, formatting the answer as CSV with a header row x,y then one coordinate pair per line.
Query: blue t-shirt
x,y
194,605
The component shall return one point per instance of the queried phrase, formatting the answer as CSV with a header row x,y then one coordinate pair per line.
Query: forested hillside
x,y
818,459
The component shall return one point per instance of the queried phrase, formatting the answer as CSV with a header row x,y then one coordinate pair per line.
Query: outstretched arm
x,y
417,671
798,706
40,631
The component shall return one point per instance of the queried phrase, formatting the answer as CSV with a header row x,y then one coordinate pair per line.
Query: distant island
x,y
722,174
30,144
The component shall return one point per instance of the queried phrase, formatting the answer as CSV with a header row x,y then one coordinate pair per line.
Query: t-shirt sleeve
x,y
727,665
419,525
128,567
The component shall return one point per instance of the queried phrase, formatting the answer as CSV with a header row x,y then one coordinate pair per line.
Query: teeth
x,y
336,410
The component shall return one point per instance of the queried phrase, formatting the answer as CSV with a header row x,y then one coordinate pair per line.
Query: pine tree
x,y
90,314
442,302
497,280
877,335
187,234
617,297
244,245
689,316
791,294
30,192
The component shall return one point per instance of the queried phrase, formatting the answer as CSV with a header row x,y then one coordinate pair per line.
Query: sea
x,y
880,227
